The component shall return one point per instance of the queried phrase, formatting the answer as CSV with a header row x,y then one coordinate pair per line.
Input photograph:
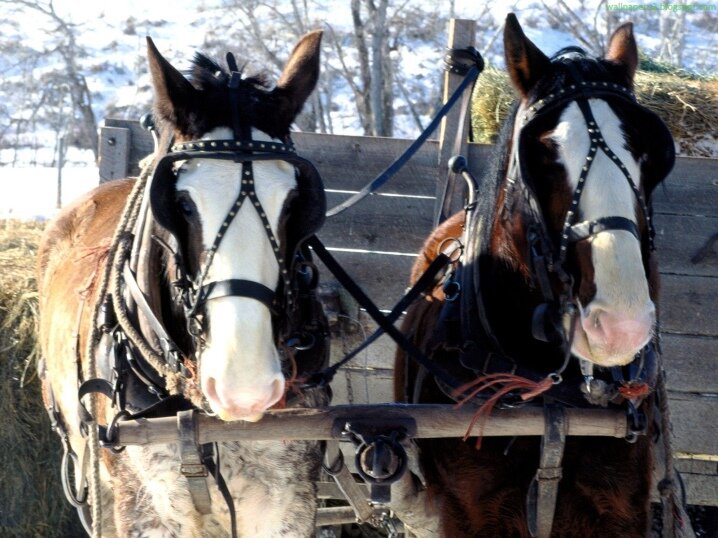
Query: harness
x,y
465,330
150,372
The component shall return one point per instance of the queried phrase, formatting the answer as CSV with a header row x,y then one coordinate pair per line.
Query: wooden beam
x,y
432,421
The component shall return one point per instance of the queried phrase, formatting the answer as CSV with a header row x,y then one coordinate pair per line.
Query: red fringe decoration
x,y
503,384
633,390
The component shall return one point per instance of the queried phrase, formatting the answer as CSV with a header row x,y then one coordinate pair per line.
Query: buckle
x,y
194,470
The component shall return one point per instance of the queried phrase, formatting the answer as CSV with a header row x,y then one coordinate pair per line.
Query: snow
x,y
31,193
114,34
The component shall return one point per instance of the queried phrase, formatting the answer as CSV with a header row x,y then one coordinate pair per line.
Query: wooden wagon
x,y
377,241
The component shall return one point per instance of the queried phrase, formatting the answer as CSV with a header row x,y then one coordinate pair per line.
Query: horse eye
x,y
186,206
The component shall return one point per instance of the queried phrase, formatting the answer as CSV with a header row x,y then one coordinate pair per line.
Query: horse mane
x,y
207,73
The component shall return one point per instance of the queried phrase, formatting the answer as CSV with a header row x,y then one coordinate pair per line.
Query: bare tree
x,y
66,81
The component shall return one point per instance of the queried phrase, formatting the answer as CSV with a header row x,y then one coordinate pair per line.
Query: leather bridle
x,y
193,292
545,258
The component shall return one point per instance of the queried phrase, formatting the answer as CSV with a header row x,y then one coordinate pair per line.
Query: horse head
x,y
232,204
584,158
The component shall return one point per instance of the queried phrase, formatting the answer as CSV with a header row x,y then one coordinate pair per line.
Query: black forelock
x,y
207,73
212,108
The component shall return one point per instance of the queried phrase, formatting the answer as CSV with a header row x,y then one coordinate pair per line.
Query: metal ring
x,y
555,378
455,254
397,451
77,501
296,342
109,439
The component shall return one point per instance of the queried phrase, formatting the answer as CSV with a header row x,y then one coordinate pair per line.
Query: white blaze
x,y
618,321
240,369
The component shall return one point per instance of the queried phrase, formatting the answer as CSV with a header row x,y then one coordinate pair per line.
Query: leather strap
x,y
354,494
543,490
237,288
191,464
365,302
223,489
422,284
587,228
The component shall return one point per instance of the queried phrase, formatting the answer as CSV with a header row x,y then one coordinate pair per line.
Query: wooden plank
x,y
358,385
115,145
688,305
454,134
350,162
384,223
690,189
383,277
401,223
691,363
693,419
142,143
679,238
687,302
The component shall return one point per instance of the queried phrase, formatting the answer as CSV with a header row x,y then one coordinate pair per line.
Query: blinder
x,y
305,216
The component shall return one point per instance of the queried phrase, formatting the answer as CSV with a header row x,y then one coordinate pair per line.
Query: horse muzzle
x,y
612,338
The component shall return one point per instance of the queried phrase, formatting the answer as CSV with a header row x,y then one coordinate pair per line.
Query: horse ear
x,y
622,49
526,64
173,92
300,74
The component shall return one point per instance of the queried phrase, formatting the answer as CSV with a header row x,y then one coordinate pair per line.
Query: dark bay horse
x,y
553,302
193,291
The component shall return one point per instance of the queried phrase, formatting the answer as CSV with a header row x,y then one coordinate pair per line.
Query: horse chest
x,y
272,485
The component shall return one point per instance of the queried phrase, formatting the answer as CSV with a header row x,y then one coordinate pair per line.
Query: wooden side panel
x,y
142,143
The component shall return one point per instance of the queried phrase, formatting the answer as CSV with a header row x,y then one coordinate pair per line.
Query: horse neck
x,y
507,291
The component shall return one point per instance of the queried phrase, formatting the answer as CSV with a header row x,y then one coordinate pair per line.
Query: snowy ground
x,y
31,193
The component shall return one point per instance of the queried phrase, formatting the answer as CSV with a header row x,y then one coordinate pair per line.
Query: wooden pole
x,y
60,165
462,34
432,421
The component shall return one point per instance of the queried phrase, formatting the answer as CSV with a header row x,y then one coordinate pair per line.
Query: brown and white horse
x,y
222,302
555,296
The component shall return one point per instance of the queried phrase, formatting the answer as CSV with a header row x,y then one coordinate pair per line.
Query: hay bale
x,y
33,503
688,105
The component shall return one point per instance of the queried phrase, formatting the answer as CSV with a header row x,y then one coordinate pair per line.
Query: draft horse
x,y
552,303
193,291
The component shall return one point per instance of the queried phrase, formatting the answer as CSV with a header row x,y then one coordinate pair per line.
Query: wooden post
x,y
114,151
60,165
453,138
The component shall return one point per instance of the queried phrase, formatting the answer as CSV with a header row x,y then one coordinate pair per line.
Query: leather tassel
x,y
502,384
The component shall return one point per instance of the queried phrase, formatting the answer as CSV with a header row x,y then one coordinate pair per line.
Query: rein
x,y
465,62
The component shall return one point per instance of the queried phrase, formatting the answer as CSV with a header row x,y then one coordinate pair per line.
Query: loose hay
x,y
31,498
689,106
